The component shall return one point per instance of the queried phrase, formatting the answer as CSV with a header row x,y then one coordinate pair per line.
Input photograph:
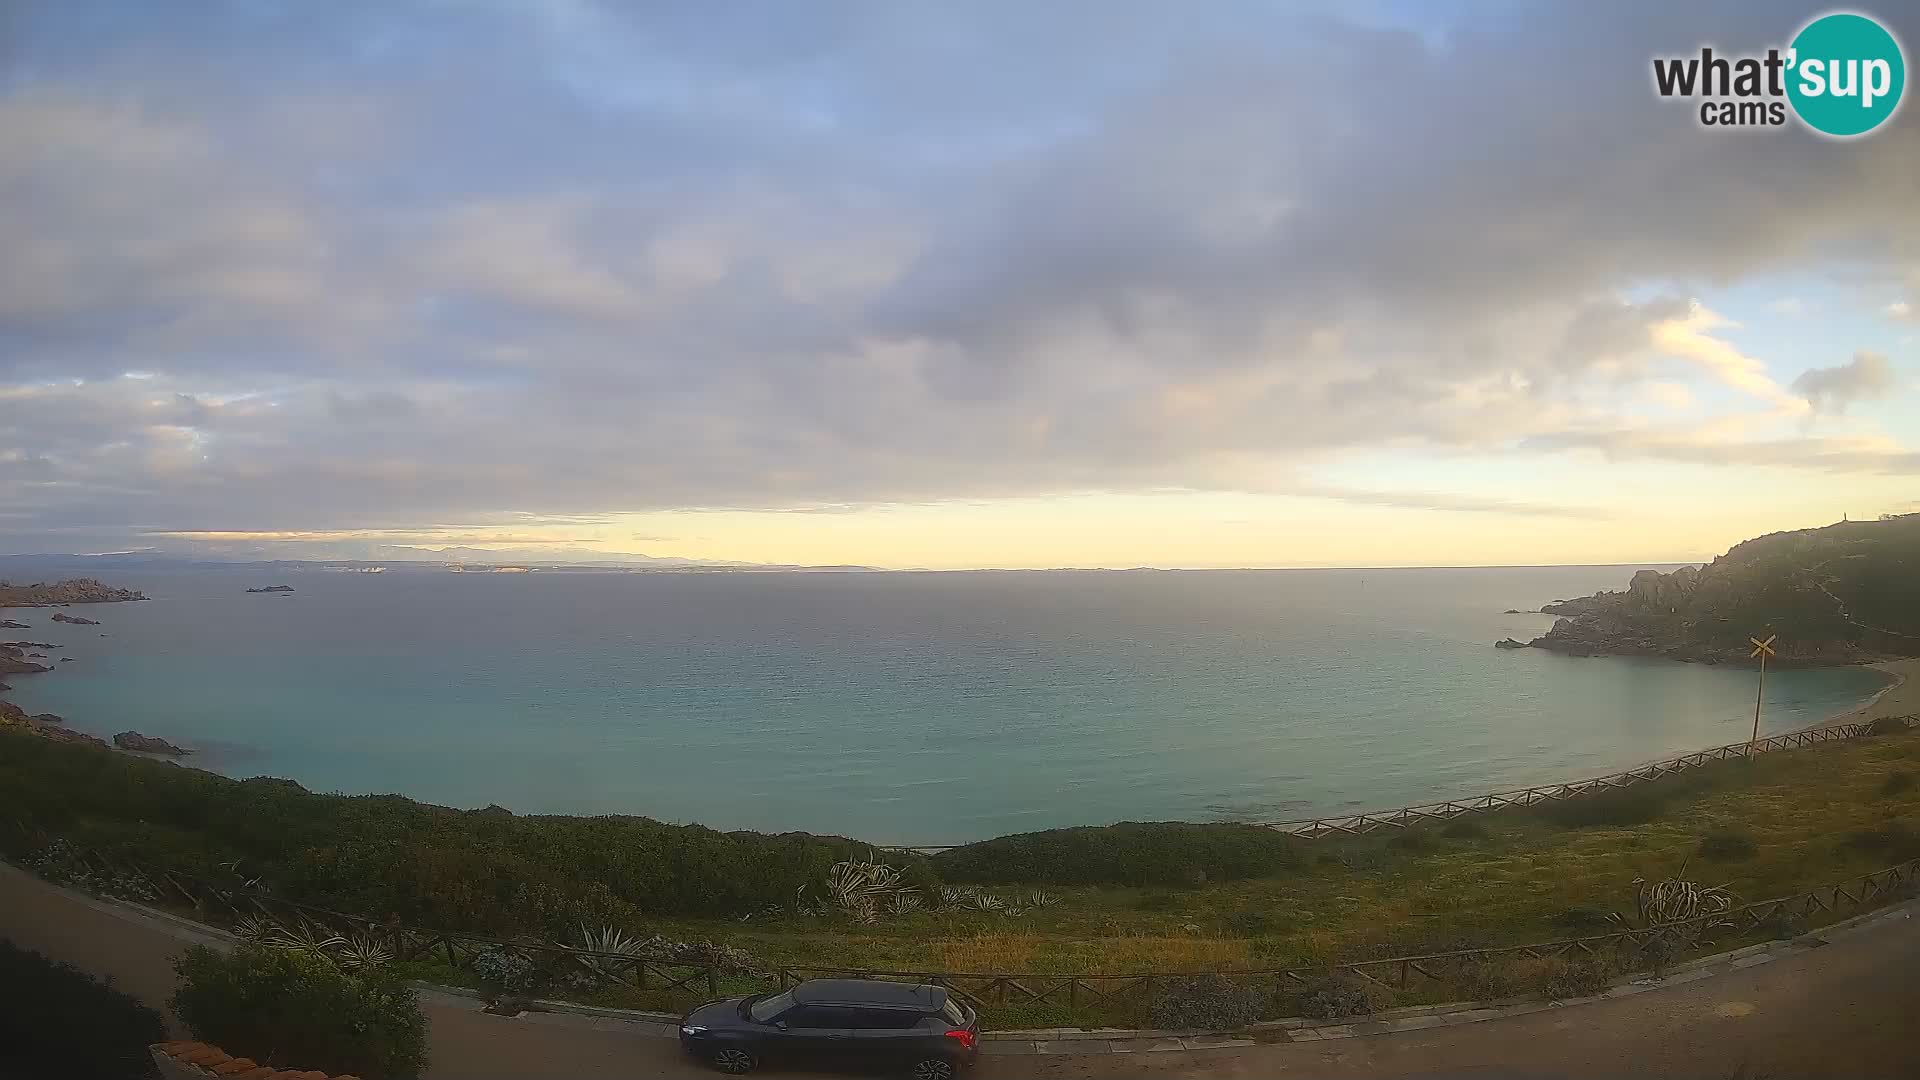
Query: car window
x,y
885,1019
820,1016
951,1010
768,1008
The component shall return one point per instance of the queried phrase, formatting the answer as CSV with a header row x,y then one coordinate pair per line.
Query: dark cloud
x,y
1831,389
397,266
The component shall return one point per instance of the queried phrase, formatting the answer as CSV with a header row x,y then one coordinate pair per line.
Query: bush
x,y
481,871
1890,725
503,972
1464,828
1635,805
1332,997
1156,901
1897,781
1578,978
1412,842
1895,841
1131,853
1580,920
1725,845
1206,1003
1249,923
59,1021
292,1009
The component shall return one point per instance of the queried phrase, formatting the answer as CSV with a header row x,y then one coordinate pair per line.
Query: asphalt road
x,y
1847,1011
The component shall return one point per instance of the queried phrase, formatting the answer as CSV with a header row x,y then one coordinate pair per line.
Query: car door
x,y
815,1032
888,1038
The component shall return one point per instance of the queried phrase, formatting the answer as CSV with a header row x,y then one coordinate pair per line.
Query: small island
x,y
1841,594
61,616
273,589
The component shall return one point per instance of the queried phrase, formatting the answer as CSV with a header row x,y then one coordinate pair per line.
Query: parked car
x,y
922,1031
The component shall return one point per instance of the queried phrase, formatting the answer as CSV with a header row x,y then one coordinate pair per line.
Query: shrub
x,y
477,871
59,1021
1890,725
1249,923
1577,978
1131,853
505,972
1464,828
1580,920
1725,845
1205,1003
1897,781
1412,842
1896,841
1618,806
1332,997
1489,978
292,1009
1156,901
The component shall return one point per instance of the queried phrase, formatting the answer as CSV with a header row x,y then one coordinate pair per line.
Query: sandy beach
x,y
1900,699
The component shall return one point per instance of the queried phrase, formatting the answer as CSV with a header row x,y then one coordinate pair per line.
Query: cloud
x,y
1899,309
1830,390
386,268
1696,447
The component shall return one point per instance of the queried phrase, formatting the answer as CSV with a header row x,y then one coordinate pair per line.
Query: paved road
x,y
1848,1011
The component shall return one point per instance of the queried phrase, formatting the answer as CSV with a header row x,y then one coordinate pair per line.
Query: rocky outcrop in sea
x,y
61,616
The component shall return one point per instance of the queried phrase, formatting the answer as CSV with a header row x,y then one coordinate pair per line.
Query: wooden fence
x,y
1408,816
231,905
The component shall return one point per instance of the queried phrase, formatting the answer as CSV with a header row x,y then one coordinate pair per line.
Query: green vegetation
x,y
1131,898
61,1022
1131,853
1726,845
296,1009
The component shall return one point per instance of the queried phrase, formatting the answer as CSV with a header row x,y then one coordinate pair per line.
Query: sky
x,y
912,284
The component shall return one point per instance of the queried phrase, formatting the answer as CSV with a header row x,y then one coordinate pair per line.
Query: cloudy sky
x,y
936,284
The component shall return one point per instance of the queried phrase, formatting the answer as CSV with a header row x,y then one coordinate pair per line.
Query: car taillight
x,y
963,1037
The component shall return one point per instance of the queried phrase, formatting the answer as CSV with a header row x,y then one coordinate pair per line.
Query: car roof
x,y
868,992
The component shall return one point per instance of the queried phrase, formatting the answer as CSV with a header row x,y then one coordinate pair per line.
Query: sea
x,y
897,708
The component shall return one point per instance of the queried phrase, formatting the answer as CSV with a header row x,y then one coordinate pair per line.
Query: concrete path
x,y
1847,1010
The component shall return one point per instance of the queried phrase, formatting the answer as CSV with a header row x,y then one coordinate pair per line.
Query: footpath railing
x,y
1408,816
690,975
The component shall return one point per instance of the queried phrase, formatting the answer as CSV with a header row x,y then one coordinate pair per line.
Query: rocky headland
x,y
15,659
62,593
1844,594
147,744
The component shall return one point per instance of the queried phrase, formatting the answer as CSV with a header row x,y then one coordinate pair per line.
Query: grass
x,y
1772,826
1809,816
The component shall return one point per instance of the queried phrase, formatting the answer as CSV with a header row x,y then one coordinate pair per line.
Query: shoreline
x,y
1901,697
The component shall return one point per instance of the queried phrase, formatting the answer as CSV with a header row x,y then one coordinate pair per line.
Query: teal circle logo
x,y
1846,74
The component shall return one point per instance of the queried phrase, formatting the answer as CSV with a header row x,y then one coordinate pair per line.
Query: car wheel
x,y
933,1068
734,1060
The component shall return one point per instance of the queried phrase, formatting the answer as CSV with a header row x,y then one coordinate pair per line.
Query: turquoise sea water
x,y
897,708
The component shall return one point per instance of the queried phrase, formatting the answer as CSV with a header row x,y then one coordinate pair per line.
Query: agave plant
x,y
858,887
306,937
1039,899
609,940
904,902
360,953
986,901
955,897
255,929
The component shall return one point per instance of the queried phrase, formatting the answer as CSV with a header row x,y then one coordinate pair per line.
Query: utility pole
x,y
1761,649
